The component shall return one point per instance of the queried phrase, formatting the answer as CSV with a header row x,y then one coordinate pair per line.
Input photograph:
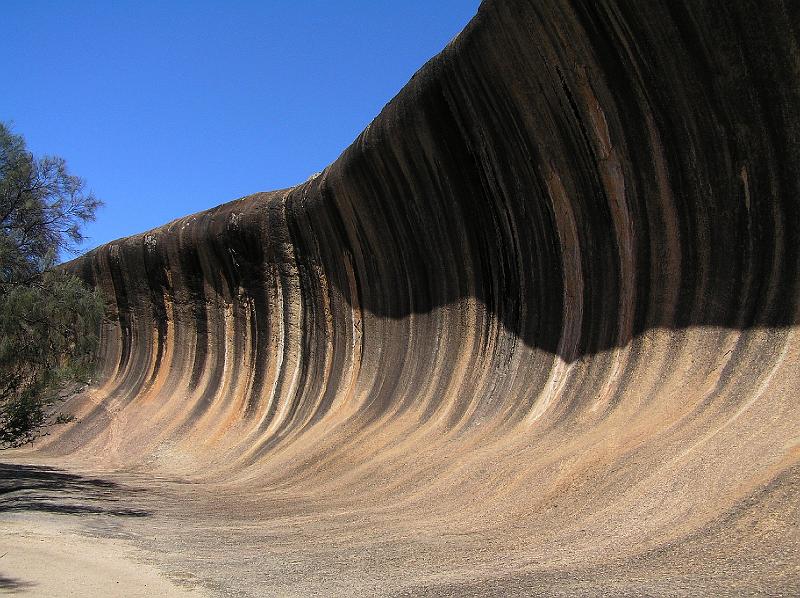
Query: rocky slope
x,y
540,317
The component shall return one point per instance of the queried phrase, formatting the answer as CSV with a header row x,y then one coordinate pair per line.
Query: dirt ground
x,y
70,534
51,555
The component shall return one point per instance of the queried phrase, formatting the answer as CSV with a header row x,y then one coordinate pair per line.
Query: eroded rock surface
x,y
535,328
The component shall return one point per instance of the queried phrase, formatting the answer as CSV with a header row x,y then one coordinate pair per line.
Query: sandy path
x,y
48,555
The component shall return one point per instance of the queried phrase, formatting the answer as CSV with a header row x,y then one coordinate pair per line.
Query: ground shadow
x,y
52,490
12,585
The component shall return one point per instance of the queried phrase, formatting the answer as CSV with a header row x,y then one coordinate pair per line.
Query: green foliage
x,y
49,321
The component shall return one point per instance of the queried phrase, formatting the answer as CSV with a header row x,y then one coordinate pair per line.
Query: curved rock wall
x,y
553,285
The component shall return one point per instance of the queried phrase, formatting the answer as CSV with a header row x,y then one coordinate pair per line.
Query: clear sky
x,y
170,107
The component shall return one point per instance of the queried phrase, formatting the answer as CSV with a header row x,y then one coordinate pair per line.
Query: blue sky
x,y
167,108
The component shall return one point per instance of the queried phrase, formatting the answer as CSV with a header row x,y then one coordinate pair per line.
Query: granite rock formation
x,y
545,305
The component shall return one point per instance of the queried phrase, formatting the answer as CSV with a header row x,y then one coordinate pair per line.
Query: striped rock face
x,y
537,324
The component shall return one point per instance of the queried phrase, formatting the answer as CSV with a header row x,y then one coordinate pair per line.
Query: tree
x,y
49,320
